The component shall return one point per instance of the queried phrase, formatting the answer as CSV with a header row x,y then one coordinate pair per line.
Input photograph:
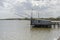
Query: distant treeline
x,y
57,19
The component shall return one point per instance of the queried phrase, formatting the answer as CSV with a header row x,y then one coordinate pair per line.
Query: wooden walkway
x,y
55,23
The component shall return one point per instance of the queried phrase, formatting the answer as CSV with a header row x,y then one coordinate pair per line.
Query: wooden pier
x,y
55,24
45,24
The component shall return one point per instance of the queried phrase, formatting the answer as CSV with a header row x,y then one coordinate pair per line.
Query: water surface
x,y
21,30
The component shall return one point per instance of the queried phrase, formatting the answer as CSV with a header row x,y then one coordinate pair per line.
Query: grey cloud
x,y
28,6
36,0
21,7
1,2
46,11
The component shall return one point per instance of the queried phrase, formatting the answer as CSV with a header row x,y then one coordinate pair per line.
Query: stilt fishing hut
x,y
39,22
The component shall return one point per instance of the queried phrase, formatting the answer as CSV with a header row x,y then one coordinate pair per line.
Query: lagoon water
x,y
21,30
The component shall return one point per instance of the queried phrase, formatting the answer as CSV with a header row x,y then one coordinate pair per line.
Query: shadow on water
x,y
41,28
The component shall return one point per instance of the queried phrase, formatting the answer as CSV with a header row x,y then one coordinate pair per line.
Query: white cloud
x,y
51,8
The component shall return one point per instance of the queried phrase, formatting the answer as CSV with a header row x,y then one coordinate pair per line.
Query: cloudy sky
x,y
24,8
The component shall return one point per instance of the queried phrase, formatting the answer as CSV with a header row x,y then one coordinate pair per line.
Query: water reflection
x,y
40,33
41,29
45,33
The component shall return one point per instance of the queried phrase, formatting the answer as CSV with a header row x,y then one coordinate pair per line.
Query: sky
x,y
24,8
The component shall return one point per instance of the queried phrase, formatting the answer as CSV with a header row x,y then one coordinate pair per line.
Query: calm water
x,y
21,30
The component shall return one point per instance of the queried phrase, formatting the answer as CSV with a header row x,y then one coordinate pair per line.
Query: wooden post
x,y
38,14
58,25
54,25
51,26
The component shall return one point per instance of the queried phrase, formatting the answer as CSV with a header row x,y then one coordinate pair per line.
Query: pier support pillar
x,y
52,26
58,25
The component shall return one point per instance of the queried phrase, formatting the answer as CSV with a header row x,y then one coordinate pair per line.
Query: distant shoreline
x,y
52,19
